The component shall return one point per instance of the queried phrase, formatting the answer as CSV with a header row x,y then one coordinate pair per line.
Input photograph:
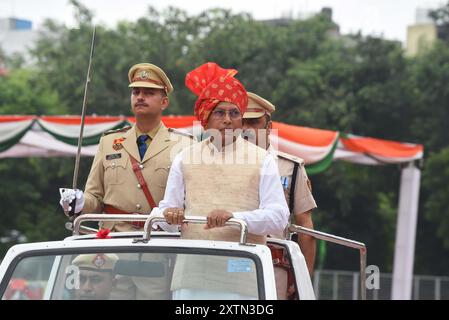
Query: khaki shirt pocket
x,y
161,173
115,171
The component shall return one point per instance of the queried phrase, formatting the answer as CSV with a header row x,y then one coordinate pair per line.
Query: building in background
x,y
422,35
17,36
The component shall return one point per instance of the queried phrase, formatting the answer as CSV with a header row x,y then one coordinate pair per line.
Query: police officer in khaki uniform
x,y
96,276
130,170
112,186
294,178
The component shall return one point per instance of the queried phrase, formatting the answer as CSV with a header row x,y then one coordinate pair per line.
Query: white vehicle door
x,y
291,270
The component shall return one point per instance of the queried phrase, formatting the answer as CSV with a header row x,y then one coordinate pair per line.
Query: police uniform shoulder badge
x,y
290,157
186,134
124,129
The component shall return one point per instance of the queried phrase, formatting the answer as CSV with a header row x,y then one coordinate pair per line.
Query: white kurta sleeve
x,y
174,193
272,215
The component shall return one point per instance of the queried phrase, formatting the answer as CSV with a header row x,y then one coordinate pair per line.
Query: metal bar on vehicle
x,y
87,230
341,241
105,217
198,220
316,284
363,272
355,282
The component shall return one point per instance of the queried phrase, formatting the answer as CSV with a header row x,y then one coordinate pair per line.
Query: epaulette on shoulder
x,y
290,157
124,129
186,134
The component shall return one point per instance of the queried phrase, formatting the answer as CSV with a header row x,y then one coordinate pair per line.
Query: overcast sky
x,y
387,18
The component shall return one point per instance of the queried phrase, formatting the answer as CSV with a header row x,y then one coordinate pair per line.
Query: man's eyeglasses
x,y
220,114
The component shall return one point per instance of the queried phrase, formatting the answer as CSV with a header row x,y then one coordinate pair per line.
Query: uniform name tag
x,y
113,156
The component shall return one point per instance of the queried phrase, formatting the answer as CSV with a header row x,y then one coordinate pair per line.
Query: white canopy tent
x,y
56,136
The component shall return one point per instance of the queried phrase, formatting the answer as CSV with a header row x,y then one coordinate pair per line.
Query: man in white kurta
x,y
220,178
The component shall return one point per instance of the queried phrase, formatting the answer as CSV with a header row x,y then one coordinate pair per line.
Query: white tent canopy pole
x,y
404,251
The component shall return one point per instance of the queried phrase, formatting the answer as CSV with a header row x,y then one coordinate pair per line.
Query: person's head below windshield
x,y
96,276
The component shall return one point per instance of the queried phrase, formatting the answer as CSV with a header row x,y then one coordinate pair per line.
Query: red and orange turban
x,y
213,84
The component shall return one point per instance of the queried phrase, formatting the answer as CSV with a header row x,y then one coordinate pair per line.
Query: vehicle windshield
x,y
132,276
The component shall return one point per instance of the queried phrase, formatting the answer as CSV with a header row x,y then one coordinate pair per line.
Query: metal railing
x,y
197,220
78,229
344,285
341,241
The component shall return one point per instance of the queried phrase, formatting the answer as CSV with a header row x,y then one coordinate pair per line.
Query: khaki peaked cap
x,y
147,75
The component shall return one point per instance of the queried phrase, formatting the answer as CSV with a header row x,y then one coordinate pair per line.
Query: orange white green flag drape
x,y
50,136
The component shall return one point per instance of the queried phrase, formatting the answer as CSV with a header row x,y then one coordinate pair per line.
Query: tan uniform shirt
x,y
303,202
303,198
112,180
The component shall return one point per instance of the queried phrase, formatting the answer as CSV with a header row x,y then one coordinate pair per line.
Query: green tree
x,y
356,202
158,37
441,18
430,97
25,91
29,197
435,179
